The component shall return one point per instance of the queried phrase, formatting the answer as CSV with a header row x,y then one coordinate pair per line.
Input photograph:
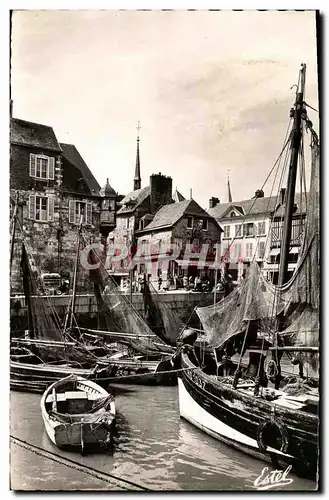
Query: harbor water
x,y
153,447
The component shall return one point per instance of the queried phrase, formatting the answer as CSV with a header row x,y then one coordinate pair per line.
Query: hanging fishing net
x,y
120,316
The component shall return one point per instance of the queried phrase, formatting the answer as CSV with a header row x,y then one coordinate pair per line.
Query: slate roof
x,y
168,215
31,134
108,190
178,197
72,155
133,199
254,206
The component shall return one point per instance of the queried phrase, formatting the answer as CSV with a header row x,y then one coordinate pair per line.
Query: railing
x,y
297,232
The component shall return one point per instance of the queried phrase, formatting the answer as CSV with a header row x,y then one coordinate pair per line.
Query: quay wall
x,y
183,303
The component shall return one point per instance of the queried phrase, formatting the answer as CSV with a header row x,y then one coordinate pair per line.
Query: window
x,y
238,231
232,214
205,224
227,231
141,224
249,249
190,223
78,209
261,249
42,167
41,208
127,223
261,228
248,229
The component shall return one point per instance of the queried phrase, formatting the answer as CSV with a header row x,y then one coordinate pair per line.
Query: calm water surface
x,y
153,447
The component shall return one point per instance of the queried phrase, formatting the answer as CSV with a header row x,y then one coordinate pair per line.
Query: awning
x,y
294,250
275,251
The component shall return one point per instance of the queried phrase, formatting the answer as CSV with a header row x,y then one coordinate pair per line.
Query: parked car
x,y
54,284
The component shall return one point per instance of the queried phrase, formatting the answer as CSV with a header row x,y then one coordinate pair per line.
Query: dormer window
x,y
232,214
141,224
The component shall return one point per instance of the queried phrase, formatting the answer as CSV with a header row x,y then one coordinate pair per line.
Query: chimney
x,y
259,193
283,194
161,191
213,202
191,194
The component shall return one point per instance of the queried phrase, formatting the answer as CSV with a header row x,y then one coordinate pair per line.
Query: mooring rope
x,y
103,476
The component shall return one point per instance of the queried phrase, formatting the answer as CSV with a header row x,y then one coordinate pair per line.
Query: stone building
x,y
252,229
189,227
55,191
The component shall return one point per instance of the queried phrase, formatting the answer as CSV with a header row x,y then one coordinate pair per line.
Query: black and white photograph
x,y
164,240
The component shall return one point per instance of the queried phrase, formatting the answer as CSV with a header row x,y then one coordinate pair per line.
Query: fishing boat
x,y
46,351
256,387
78,413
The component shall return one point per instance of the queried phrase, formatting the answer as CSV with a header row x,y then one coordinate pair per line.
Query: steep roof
x,y
254,206
72,155
26,133
133,199
108,190
168,215
177,196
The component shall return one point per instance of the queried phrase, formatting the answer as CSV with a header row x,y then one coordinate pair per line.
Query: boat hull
x,y
29,377
237,420
79,430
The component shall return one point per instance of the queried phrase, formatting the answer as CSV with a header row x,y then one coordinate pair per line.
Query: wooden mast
x,y
75,274
12,243
291,185
70,310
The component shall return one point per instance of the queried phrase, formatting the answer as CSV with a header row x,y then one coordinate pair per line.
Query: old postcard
x,y
164,250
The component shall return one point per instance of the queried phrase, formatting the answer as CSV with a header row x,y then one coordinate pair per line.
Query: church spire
x,y
137,178
229,187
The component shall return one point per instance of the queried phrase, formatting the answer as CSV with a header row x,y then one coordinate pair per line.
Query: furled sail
x,y
42,324
120,316
302,293
160,316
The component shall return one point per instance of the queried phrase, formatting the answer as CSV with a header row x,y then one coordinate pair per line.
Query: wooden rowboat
x,y
78,413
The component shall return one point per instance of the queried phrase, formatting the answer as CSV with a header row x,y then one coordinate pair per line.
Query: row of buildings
x,y
55,191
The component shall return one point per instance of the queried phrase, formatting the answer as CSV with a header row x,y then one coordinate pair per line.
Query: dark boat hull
x,y
29,377
238,419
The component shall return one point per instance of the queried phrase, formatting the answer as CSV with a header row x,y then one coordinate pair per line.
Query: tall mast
x,y
71,307
290,194
12,243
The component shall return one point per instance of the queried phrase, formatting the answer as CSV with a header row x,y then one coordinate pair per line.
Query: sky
x,y
212,91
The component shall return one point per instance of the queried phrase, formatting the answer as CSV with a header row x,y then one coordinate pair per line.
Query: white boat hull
x,y
191,411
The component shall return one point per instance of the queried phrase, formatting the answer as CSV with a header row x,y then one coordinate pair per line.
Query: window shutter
x,y
72,212
50,209
32,165
32,206
51,168
89,213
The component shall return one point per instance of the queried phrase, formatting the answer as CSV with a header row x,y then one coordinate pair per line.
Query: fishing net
x,y
257,299
120,316
160,316
42,323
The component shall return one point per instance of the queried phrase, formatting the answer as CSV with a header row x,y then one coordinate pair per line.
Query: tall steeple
x,y
137,178
229,187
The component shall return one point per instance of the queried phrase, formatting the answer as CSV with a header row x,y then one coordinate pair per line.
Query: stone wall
x,y
20,168
183,303
53,245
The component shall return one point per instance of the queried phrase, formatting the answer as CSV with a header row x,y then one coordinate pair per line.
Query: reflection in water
x,y
152,447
